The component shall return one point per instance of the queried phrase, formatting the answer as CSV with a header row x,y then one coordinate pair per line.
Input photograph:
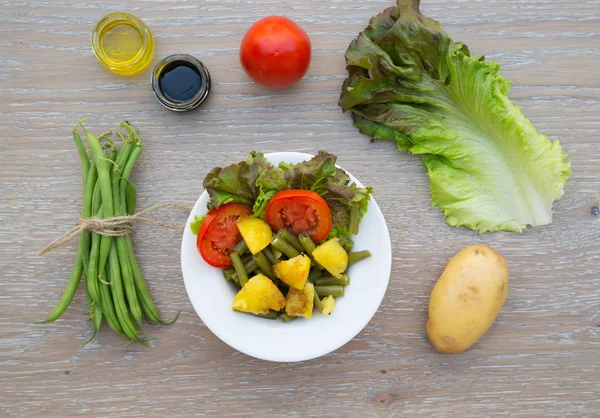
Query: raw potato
x,y
467,298
259,296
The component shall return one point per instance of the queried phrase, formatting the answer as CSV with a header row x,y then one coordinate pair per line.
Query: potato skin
x,y
467,298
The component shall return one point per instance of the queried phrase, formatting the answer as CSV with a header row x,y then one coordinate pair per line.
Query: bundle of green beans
x,y
284,245
115,288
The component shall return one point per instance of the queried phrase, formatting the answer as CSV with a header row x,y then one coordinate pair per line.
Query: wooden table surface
x,y
541,357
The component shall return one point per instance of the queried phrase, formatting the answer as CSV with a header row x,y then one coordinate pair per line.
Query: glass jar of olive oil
x,y
123,43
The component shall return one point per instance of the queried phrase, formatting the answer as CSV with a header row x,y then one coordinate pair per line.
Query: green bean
x,y
314,274
347,243
307,243
270,315
228,273
87,210
82,254
103,167
264,265
250,267
276,253
357,256
326,290
246,257
241,272
122,254
108,307
284,247
269,254
317,303
344,280
290,238
83,156
354,218
91,279
241,248
116,288
309,246
286,318
96,321
69,292
131,198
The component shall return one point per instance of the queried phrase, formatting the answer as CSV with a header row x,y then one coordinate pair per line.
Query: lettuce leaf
x,y
236,183
410,83
255,181
321,176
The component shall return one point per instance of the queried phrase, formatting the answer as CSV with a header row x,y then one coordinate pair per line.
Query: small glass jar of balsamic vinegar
x,y
181,82
123,43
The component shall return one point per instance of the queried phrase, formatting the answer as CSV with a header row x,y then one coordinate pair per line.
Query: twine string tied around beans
x,y
117,226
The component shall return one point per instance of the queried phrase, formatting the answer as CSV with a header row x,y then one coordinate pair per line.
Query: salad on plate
x,y
282,234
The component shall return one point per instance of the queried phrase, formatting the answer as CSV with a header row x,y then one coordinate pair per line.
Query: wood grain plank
x,y
539,359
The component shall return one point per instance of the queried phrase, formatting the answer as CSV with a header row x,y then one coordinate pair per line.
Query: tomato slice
x,y
300,211
219,233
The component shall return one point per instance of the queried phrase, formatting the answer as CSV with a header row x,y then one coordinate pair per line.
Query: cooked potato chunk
x,y
256,233
300,302
332,256
259,296
294,271
328,305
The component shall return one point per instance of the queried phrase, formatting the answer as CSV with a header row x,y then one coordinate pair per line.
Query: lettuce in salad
x,y
410,83
255,181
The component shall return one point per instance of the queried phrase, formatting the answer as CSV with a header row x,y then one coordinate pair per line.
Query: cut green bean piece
x,y
314,274
264,265
269,254
250,265
241,248
353,223
276,253
344,280
346,243
357,256
307,243
240,270
284,247
309,246
326,290
228,273
270,315
286,318
290,238
317,303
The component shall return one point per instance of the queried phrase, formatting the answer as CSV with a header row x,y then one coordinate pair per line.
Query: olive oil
x,y
123,43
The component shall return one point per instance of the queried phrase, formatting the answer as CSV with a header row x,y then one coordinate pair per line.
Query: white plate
x,y
301,339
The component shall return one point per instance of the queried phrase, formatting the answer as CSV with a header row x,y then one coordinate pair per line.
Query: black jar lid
x,y
173,62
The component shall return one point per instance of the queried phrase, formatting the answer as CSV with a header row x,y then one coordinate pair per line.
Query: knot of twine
x,y
117,226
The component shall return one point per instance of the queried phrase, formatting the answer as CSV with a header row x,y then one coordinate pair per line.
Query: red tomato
x,y
219,233
275,52
300,211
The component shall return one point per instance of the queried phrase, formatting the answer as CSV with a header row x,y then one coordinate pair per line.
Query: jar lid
x,y
181,82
